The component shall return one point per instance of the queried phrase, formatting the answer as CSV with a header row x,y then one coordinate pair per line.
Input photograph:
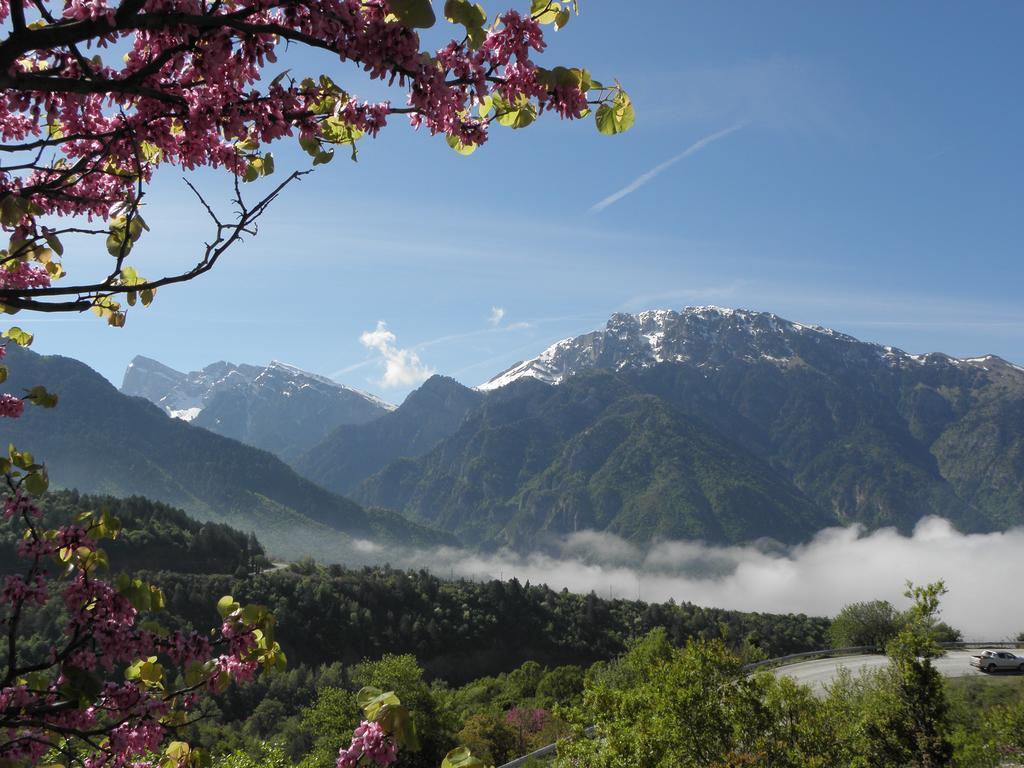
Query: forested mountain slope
x,y
98,440
353,452
725,425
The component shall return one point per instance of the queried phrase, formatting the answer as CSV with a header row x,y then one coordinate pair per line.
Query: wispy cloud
x,y
497,315
402,367
638,182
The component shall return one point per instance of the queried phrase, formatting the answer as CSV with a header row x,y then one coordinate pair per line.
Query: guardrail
x,y
856,649
781,661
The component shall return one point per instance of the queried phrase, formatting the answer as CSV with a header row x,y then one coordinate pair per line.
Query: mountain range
x,y
99,440
277,407
707,423
641,428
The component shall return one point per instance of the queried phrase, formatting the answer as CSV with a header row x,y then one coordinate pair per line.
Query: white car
x,y
994,661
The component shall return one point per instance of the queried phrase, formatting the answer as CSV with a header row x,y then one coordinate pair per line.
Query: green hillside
x,y
100,441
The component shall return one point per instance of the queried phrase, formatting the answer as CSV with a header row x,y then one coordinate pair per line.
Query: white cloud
x,y
402,367
497,314
839,566
639,181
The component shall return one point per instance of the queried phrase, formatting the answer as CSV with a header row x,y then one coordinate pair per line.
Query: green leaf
x,y
54,242
413,13
472,17
151,152
3,373
226,606
38,395
18,336
485,106
463,149
37,482
518,115
195,673
617,117
562,18
397,720
324,157
12,209
310,145
545,11
118,242
178,751
461,757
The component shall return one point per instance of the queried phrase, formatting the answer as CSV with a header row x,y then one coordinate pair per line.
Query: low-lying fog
x,y
983,572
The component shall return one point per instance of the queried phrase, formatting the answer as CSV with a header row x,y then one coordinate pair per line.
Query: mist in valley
x,y
837,567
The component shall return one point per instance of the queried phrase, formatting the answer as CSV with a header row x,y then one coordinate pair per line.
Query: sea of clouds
x,y
983,572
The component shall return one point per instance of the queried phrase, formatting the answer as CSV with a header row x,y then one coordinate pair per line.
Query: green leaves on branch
x,y
259,622
38,395
104,306
568,77
616,116
35,479
180,754
125,230
514,115
148,672
471,16
129,277
13,209
100,526
333,130
259,166
18,336
552,12
413,13
142,596
386,708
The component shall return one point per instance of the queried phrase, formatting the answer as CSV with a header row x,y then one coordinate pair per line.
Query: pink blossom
x,y
11,406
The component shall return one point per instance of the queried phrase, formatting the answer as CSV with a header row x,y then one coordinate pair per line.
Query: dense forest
x,y
482,663
504,667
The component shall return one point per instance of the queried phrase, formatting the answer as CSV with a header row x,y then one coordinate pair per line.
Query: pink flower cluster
x,y
100,636
18,590
11,406
529,719
21,505
24,275
371,741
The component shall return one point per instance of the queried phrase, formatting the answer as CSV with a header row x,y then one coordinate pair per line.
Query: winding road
x,y
818,673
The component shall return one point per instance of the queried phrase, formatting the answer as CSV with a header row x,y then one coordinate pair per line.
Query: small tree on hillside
x,y
921,691
875,622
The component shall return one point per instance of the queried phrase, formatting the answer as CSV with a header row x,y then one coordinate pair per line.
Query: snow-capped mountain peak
x,y
709,337
279,406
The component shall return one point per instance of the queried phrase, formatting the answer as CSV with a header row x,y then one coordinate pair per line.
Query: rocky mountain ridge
x,y
710,337
277,407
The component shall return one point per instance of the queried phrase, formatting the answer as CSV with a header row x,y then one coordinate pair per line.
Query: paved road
x,y
820,672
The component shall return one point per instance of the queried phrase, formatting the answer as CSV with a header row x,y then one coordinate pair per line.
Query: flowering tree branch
x,y
83,138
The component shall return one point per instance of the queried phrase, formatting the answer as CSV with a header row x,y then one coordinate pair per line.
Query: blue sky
x,y
859,166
